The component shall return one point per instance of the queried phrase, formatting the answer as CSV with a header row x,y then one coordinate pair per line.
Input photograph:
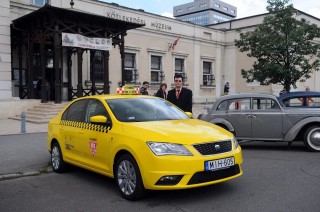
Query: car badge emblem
x,y
217,147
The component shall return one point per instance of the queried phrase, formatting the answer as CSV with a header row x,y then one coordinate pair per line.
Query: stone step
x,y
42,113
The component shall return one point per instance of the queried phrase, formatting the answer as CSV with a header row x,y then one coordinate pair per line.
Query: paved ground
x,y
12,127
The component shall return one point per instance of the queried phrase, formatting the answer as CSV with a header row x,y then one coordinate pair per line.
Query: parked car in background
x,y
307,99
291,117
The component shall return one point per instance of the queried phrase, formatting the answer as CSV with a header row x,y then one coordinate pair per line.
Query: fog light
x,y
169,180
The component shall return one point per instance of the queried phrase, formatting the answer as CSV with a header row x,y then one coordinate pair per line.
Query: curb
x,y
45,170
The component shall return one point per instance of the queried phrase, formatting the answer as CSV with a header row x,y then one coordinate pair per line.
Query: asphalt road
x,y
275,179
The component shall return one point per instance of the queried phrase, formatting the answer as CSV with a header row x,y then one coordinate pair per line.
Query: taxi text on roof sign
x,y
128,90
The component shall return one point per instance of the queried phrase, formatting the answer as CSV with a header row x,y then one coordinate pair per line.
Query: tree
x,y
287,49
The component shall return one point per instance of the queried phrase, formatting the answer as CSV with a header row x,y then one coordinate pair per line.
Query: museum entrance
x,y
46,49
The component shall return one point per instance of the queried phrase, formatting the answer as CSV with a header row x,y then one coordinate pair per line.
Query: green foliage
x,y
286,48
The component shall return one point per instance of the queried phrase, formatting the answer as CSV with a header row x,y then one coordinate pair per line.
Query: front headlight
x,y
160,148
236,143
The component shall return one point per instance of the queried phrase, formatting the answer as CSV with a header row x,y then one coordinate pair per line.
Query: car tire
x,y
128,178
57,162
311,138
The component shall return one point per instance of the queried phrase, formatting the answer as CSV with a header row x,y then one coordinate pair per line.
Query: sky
x,y
245,7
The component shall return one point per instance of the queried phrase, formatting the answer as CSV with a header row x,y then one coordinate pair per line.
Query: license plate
x,y
218,164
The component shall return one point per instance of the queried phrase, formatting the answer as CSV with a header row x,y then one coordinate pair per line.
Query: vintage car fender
x,y
292,133
223,122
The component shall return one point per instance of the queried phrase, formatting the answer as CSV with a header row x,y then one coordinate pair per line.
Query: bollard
x,y
23,122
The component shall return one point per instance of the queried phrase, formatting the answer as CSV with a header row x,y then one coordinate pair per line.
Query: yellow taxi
x,y
144,142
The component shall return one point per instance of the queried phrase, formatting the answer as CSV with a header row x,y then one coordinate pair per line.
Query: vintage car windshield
x,y
144,109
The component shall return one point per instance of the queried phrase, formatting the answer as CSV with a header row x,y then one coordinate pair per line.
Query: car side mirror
x,y
189,114
99,119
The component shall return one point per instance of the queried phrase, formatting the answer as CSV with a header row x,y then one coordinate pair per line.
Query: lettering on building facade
x,y
120,17
160,26
138,20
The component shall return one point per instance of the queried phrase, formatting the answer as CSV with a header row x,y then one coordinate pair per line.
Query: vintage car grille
x,y
214,147
207,176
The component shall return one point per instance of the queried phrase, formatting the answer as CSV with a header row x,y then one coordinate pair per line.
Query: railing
x,y
208,80
86,92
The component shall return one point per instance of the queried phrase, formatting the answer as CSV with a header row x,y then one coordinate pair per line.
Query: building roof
x,y
50,14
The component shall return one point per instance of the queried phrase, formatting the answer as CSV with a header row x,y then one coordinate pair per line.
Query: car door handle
x,y
251,116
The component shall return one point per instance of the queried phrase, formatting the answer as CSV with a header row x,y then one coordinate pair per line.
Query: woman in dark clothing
x,y
162,91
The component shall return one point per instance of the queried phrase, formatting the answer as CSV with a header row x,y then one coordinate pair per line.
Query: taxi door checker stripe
x,y
87,126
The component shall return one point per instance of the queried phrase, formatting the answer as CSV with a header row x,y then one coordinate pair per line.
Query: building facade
x,y
204,12
155,52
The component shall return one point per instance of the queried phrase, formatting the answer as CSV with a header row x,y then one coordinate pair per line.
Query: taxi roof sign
x,y
128,90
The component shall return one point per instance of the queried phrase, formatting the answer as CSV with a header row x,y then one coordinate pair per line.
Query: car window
x,y
264,104
75,111
223,105
144,109
239,104
95,108
303,101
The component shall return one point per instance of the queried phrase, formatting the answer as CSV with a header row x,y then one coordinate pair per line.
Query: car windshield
x,y
144,109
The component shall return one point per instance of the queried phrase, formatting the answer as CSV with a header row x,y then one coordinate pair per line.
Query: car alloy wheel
x,y
57,163
128,178
312,138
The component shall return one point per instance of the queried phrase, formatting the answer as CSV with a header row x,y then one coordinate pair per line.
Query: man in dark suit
x,y
181,97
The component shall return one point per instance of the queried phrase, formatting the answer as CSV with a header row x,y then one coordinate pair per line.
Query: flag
x,y
172,45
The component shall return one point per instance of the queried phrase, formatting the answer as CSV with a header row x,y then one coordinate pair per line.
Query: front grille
x,y
214,147
208,176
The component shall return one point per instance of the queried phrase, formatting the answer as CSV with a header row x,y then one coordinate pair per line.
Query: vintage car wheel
x,y
128,178
57,163
312,138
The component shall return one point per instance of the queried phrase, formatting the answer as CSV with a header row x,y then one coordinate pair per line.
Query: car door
x,y
239,115
266,119
72,131
96,138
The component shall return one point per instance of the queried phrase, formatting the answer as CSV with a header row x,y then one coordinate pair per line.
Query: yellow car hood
x,y
187,131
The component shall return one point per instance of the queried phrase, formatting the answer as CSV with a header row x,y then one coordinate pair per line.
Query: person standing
x,y
144,88
38,88
226,88
162,91
180,96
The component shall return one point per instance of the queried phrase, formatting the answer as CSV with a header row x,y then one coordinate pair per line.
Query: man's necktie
x,y
178,94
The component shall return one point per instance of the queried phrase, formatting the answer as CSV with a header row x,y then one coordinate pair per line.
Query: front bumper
x,y
188,170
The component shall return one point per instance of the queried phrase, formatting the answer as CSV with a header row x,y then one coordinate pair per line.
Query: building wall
x,y
5,51
196,45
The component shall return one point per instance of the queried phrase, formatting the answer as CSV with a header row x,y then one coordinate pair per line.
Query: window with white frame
x,y
191,8
179,68
217,5
156,69
39,3
131,73
208,77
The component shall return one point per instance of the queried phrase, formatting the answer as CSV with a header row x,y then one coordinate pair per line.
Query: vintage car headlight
x,y
236,143
161,148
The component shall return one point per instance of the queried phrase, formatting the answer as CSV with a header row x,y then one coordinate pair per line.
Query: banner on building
x,y
76,40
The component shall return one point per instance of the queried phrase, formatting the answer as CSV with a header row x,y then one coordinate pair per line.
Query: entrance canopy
x,y
70,19
39,34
